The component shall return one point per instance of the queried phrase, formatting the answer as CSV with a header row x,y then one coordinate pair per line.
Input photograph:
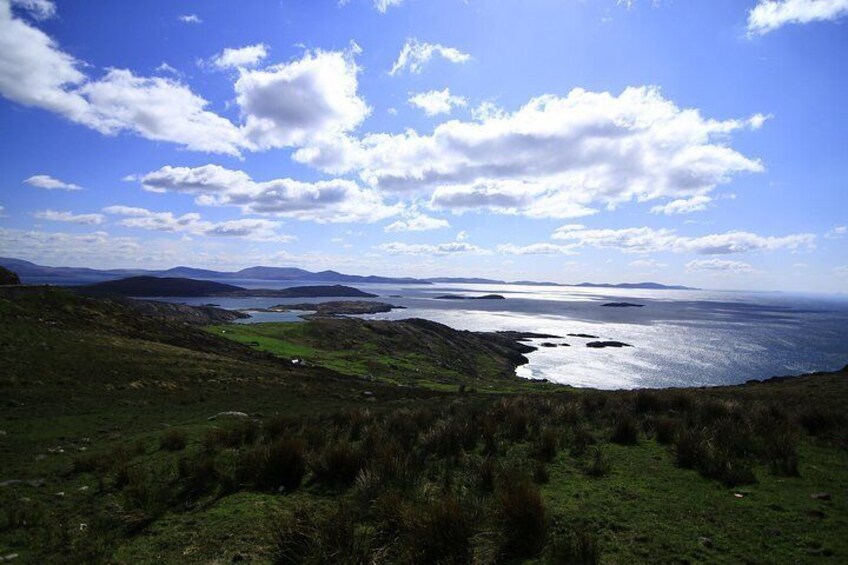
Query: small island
x,y
622,305
337,308
460,297
603,344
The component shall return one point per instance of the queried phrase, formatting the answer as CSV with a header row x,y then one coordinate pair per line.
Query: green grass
x,y
106,387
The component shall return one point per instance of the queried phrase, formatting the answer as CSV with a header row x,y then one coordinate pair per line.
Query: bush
x,y
523,519
173,440
573,548
440,531
199,474
546,446
280,465
337,464
294,535
665,429
625,431
231,435
599,465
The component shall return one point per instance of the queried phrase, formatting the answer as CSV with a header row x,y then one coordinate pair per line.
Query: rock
x,y
706,542
9,557
602,344
549,344
368,393
622,305
585,336
821,496
231,414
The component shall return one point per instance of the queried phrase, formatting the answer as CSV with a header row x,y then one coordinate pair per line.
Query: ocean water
x,y
679,337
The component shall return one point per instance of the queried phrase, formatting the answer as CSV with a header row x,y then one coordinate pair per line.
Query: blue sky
x,y
699,142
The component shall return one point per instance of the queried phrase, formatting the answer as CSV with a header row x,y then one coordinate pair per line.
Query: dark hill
x,y
320,292
8,277
156,286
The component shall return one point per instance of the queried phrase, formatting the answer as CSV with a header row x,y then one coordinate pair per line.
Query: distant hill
x,y
147,286
31,273
641,285
158,286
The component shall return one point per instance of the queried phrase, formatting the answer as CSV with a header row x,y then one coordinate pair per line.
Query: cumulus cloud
x,y
450,248
555,157
70,248
536,249
160,109
683,205
436,102
647,264
323,201
241,57
650,240
769,15
38,9
284,105
49,183
192,223
383,5
837,233
190,19
417,222
720,266
84,219
311,98
414,55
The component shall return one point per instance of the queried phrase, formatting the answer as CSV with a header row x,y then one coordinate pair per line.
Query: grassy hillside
x,y
370,453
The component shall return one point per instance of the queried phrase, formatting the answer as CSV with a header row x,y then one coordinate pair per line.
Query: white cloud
x,y
190,19
649,240
415,54
683,205
383,5
536,249
192,223
311,98
720,266
160,109
166,68
305,100
436,102
38,9
769,15
841,271
450,248
647,264
555,157
462,235
837,233
84,219
418,222
233,58
49,183
323,201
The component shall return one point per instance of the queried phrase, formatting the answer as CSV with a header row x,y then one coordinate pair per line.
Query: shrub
x,y
546,446
599,465
280,465
231,435
440,531
523,519
337,464
173,440
625,431
647,401
665,429
573,548
199,474
294,536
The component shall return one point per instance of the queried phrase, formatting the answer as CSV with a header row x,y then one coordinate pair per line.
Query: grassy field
x,y
388,446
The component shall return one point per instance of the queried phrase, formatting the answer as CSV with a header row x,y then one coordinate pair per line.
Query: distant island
x,y
147,286
635,286
622,305
31,273
460,297
337,308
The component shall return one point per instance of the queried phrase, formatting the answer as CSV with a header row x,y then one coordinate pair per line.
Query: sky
x,y
698,142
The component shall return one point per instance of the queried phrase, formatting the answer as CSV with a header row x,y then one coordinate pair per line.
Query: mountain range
x,y
32,273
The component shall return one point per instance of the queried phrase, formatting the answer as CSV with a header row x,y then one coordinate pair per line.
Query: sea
x,y
679,338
